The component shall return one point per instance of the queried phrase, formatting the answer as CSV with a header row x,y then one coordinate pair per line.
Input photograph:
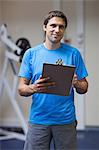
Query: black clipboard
x,y
62,76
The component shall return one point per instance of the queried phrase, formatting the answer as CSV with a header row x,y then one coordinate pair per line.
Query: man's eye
x,y
53,25
61,27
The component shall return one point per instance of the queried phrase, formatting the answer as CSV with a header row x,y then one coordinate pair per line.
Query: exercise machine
x,y
13,56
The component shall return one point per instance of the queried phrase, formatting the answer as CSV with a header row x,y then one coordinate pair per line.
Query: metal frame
x,y
12,93
11,58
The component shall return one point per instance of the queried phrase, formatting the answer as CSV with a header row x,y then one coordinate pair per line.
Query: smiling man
x,y
51,116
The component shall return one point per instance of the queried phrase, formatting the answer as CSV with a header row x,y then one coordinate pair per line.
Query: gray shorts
x,y
39,137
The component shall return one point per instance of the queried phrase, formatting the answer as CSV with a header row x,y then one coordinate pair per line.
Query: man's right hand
x,y
41,85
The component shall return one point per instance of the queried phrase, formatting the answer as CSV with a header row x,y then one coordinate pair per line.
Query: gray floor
x,y
87,140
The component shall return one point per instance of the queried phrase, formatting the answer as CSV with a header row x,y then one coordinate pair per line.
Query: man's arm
x,y
25,88
81,86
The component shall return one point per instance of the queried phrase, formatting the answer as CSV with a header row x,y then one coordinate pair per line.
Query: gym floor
x,y
87,140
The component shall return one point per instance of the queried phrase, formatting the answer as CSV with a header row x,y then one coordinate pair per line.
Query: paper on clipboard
x,y
61,75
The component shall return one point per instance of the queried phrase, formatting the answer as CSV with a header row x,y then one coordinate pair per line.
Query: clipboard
x,y
62,76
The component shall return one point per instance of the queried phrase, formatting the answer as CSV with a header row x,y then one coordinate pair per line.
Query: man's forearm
x,y
25,90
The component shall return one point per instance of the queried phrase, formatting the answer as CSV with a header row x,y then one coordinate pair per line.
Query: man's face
x,y
55,29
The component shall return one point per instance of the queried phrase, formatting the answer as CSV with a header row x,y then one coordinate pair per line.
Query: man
x,y
51,116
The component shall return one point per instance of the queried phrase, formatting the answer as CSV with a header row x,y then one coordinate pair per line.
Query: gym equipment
x,y
13,55
24,44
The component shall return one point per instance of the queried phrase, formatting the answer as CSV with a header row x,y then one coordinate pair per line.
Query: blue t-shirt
x,y
50,109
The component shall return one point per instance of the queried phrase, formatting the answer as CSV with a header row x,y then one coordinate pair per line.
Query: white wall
x,y
0,42
92,61
24,18
0,25
69,8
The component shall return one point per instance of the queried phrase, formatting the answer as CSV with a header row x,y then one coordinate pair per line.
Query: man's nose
x,y
57,29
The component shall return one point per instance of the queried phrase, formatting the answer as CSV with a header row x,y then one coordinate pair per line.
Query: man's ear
x,y
44,27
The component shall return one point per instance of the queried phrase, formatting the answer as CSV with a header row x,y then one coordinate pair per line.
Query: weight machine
x,y
13,56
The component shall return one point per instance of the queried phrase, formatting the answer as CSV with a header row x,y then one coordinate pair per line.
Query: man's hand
x,y
81,86
40,85
75,80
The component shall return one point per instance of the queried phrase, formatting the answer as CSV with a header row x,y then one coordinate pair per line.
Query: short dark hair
x,y
55,13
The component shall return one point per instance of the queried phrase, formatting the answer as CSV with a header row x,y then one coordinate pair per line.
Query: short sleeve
x,y
81,70
25,68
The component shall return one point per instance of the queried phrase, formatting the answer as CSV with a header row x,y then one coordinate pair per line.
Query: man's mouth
x,y
56,35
